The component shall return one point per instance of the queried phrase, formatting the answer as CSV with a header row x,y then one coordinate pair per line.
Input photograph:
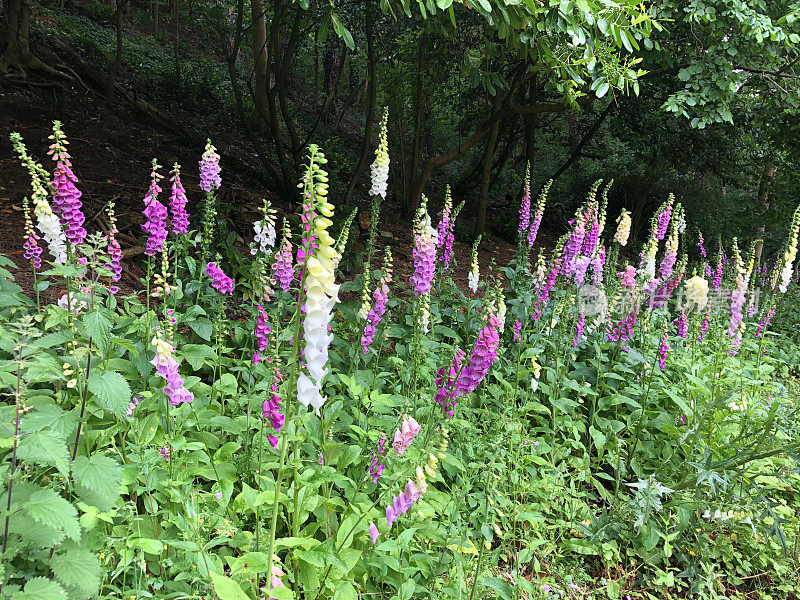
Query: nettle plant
x,y
235,431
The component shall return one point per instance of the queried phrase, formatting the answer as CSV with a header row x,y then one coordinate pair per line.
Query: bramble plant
x,y
237,431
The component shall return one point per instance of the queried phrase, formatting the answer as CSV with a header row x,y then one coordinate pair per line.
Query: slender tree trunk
x,y
415,148
260,65
488,156
763,205
154,5
112,75
372,96
176,38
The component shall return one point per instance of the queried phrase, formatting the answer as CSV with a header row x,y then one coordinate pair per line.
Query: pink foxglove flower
x,y
284,265
271,409
114,263
663,350
663,218
446,388
219,281
483,355
375,315
177,203
376,467
537,217
628,277
167,367
156,214
517,327
66,195
32,251
210,180
374,533
683,325
525,205
579,329
765,322
424,251
262,329
405,435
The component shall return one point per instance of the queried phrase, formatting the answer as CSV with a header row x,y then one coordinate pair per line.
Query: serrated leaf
x,y
50,509
111,391
97,480
98,326
50,416
45,448
78,569
40,588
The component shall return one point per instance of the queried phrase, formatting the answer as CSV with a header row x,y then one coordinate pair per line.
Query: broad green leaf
x,y
45,448
226,588
50,509
98,326
97,480
40,588
111,391
78,569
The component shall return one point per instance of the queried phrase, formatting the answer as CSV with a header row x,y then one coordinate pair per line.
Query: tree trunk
x,y
261,68
488,156
176,38
372,96
415,148
112,75
16,56
154,5
763,205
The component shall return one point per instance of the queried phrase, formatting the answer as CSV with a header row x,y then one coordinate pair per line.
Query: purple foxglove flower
x,y
210,180
424,252
31,248
262,329
483,355
446,384
374,533
683,325
66,195
663,350
376,468
219,281
114,263
579,329
156,213
177,203
271,410
375,314
284,265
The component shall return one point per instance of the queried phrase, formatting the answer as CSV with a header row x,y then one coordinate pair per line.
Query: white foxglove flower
x,y
623,228
380,168
320,286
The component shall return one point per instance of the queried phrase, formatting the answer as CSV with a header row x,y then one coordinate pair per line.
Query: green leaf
x,y
342,31
149,545
45,448
345,591
500,586
227,589
111,391
50,416
197,354
97,480
98,326
79,569
203,328
50,509
40,588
